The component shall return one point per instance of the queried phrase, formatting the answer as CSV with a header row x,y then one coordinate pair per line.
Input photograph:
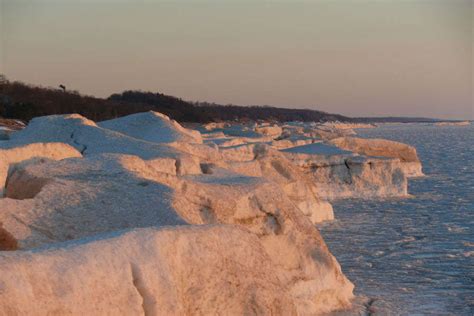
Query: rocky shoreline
x,y
139,215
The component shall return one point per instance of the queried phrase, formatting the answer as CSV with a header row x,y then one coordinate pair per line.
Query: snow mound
x,y
153,127
90,139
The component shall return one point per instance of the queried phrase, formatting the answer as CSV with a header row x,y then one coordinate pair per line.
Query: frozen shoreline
x,y
68,178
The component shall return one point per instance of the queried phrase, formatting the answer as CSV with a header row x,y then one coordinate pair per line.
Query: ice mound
x,y
383,148
11,155
153,127
274,166
80,197
272,130
171,271
90,139
350,176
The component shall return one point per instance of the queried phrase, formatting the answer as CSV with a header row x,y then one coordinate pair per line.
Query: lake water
x,y
414,256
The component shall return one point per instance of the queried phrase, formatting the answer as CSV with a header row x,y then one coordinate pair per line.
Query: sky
x,y
353,57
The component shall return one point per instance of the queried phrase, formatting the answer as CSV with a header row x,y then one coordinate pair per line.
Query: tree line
x,y
22,101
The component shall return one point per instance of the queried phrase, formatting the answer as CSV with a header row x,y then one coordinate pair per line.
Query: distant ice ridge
x,y
463,123
338,165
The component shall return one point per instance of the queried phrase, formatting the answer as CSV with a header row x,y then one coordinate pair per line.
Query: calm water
x,y
414,256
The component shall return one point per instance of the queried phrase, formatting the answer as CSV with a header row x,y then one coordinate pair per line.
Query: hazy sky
x,y
355,57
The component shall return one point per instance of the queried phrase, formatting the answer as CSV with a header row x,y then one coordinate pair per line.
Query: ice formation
x,y
130,215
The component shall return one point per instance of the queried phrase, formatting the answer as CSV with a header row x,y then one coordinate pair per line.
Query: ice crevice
x,y
83,146
349,173
138,283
